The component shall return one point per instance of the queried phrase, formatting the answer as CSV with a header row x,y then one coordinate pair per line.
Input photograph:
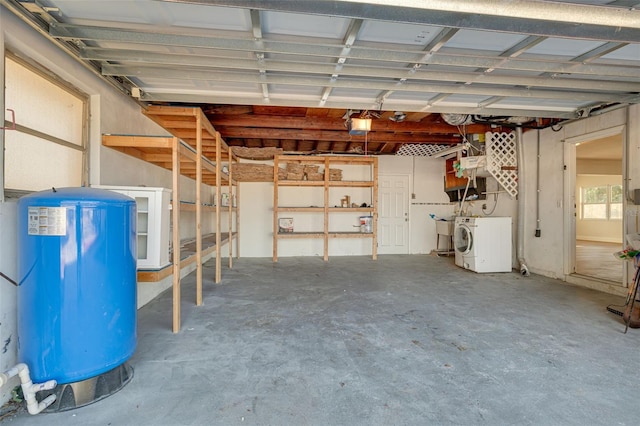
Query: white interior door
x,y
393,214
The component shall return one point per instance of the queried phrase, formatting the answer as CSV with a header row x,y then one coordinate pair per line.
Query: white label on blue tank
x,y
47,220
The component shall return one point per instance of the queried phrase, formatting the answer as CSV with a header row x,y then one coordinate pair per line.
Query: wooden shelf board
x,y
300,234
301,209
157,151
356,234
181,123
321,209
337,159
187,257
137,141
191,207
350,209
345,183
300,159
319,183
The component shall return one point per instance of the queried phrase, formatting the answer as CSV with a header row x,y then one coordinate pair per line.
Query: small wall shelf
x,y
326,184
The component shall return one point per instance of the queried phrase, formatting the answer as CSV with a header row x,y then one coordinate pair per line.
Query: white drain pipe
x,y
524,270
29,388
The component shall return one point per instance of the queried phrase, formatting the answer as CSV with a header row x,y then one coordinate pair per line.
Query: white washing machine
x,y
483,244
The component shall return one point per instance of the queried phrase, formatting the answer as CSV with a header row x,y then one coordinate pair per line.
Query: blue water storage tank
x,y
77,282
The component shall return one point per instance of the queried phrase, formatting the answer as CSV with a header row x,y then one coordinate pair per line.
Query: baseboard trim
x,y
597,284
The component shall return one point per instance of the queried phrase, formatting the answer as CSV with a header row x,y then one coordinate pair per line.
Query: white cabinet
x,y
153,207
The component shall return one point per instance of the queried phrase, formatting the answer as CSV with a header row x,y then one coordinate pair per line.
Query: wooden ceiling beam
x,y
375,147
228,109
306,145
280,111
343,136
387,148
339,147
271,143
321,123
253,143
289,145
323,146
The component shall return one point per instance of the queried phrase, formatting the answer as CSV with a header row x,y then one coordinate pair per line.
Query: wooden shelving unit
x,y
195,150
327,162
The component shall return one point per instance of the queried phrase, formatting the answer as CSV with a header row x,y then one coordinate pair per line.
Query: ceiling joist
x,y
537,17
285,73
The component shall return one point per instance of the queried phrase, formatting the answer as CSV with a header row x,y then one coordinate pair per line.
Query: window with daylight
x,y
601,202
48,146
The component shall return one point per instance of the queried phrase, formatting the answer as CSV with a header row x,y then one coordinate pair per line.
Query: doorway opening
x,y
599,208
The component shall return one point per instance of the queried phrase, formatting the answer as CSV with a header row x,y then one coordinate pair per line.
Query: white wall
x,y
598,167
633,136
546,255
111,112
425,181
428,186
256,219
8,307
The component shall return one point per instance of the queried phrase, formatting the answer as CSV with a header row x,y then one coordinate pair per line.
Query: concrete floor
x,y
405,340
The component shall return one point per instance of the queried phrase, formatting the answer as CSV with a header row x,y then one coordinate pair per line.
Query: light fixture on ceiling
x,y
359,126
398,117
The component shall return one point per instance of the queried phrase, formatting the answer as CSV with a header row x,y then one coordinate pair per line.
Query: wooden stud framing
x,y
237,219
218,203
176,236
231,198
374,201
276,184
198,210
326,207
187,153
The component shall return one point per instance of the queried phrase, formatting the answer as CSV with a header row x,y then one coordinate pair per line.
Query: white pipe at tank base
x,y
524,270
29,388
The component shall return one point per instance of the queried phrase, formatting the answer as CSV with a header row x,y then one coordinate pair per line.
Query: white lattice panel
x,y
502,160
421,150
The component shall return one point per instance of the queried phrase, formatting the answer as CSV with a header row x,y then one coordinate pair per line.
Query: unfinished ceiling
x,y
290,73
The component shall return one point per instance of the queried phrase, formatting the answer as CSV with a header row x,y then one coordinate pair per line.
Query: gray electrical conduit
x,y
538,231
626,152
524,270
